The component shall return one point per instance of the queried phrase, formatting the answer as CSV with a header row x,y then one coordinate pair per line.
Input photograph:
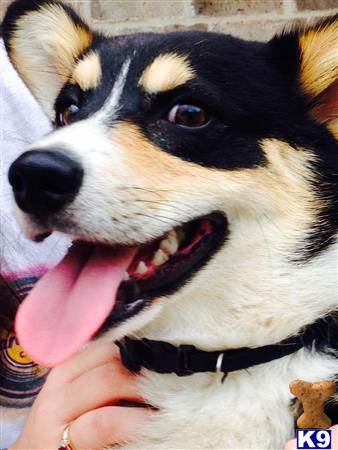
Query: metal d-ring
x,y
219,370
219,363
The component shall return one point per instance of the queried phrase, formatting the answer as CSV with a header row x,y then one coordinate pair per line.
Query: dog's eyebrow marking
x,y
112,105
166,72
87,73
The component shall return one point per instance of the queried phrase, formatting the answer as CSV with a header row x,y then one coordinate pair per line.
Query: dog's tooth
x,y
172,234
141,268
70,244
126,276
166,246
170,244
180,234
160,258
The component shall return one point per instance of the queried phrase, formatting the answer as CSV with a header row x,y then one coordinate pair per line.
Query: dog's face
x,y
214,157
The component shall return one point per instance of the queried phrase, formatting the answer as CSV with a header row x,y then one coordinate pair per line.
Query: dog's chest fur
x,y
251,409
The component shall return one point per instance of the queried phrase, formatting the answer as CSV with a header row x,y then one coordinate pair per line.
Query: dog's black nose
x,y
44,181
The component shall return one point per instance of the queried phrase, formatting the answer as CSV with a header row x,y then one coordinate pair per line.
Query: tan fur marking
x,y
140,153
44,48
319,65
333,127
166,72
283,185
288,181
287,176
87,73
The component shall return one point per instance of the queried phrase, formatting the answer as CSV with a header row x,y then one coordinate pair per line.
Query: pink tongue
x,y
70,303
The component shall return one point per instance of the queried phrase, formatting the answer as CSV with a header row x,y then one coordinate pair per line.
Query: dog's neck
x,y
163,357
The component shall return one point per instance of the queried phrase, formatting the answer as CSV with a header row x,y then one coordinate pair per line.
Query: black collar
x,y
163,357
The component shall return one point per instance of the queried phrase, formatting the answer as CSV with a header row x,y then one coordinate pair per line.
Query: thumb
x,y
291,445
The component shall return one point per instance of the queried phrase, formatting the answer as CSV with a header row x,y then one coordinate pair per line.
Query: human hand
x,y
84,392
291,445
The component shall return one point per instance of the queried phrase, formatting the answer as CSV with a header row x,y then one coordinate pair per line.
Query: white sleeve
x,y
22,122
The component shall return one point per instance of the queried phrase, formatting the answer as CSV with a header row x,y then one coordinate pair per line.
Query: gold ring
x,y
66,443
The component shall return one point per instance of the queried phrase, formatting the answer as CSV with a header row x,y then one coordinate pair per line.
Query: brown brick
x,y
251,30
232,7
257,30
316,4
196,26
138,27
124,11
81,7
77,5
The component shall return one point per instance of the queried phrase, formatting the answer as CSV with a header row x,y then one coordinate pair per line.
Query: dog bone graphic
x,y
313,397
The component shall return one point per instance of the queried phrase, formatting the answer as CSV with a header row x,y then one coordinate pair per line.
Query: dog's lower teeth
x,y
141,268
181,235
160,257
126,276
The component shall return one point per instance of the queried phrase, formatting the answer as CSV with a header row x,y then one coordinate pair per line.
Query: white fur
x,y
250,410
111,106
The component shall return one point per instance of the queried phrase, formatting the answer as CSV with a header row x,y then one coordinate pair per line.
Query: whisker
x,y
172,206
157,191
163,219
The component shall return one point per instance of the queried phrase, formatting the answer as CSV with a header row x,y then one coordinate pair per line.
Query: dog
x,y
197,176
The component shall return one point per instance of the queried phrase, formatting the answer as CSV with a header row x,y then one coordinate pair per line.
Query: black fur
x,y
250,90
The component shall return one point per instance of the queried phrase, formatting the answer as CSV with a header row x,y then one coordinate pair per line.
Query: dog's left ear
x,y
44,38
312,53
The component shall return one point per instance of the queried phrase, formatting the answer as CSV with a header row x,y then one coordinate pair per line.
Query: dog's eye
x,y
68,111
190,116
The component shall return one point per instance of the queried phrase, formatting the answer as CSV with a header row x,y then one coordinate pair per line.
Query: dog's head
x,y
207,163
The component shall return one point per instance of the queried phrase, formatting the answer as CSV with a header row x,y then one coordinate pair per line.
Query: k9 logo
x,y
314,439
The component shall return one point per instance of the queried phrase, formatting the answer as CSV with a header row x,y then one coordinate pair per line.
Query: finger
x,y
291,445
107,385
107,426
335,437
95,354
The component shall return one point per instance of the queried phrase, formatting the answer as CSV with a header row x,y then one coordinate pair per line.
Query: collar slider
x,y
183,360
131,356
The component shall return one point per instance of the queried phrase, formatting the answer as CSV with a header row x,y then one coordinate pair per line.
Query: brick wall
x,y
252,19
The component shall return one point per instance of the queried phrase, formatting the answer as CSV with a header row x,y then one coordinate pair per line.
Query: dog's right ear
x,y
308,55
44,38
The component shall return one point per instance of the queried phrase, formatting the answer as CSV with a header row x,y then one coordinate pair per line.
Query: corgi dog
x,y
196,174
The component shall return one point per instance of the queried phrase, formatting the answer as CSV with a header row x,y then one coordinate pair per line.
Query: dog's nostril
x,y
58,183
44,181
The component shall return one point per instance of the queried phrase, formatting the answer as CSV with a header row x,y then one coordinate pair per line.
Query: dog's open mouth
x,y
96,287
161,267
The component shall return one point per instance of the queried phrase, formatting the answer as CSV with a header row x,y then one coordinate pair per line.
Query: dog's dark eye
x,y
188,116
67,112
